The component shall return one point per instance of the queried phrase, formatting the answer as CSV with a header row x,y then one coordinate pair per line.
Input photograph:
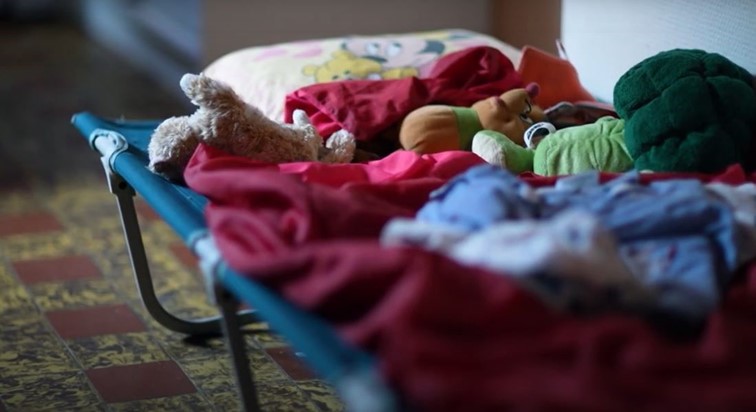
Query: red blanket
x,y
367,107
447,336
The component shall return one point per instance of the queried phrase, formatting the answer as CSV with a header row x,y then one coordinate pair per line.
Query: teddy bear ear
x,y
533,89
187,81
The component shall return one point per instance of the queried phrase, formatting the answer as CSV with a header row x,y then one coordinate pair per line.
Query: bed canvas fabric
x,y
264,75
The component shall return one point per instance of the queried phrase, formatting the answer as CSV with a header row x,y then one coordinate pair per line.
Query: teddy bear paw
x,y
171,145
341,146
300,118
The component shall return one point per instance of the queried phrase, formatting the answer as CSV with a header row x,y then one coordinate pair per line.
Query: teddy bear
x,y
224,121
437,128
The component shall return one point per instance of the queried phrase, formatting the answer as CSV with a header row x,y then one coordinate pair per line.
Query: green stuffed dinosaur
x,y
594,146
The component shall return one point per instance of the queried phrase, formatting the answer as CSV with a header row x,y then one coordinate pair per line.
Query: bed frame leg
x,y
235,340
205,326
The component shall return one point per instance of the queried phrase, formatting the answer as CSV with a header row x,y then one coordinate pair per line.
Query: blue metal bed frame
x,y
122,147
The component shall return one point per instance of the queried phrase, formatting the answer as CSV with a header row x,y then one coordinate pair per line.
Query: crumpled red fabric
x,y
449,337
367,107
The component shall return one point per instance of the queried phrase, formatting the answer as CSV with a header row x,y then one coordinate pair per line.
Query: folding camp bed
x,y
122,147
558,360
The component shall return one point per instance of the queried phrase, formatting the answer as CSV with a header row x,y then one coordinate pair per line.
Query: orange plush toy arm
x,y
436,128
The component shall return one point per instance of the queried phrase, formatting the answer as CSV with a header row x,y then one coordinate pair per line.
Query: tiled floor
x,y
73,333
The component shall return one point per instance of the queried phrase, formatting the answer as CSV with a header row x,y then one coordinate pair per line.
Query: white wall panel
x,y
604,38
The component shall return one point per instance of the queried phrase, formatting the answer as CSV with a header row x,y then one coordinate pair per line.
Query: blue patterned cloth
x,y
679,240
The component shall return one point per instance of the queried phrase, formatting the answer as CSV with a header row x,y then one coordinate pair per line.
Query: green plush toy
x,y
594,146
688,111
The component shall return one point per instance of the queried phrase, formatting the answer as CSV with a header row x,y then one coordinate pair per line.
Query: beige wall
x,y
167,38
234,24
533,22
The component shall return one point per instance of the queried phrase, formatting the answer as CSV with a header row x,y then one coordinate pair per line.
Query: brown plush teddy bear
x,y
436,128
223,120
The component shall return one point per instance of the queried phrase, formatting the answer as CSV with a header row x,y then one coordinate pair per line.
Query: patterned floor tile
x,y
272,396
15,300
264,368
6,276
138,382
226,401
270,340
159,233
41,245
112,350
44,355
117,270
85,202
282,396
322,395
188,302
26,328
94,321
66,391
212,374
73,294
192,402
32,222
188,348
56,269
106,238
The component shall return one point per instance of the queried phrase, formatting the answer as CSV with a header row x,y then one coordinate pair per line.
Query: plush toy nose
x,y
533,89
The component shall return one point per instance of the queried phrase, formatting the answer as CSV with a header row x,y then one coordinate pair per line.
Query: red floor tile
x,y
184,255
291,363
141,381
34,222
56,269
94,321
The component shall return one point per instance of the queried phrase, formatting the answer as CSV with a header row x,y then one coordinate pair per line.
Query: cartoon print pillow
x,y
264,75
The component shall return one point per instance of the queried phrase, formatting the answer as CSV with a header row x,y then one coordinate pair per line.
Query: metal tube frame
x,y
109,144
245,384
142,275
229,323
